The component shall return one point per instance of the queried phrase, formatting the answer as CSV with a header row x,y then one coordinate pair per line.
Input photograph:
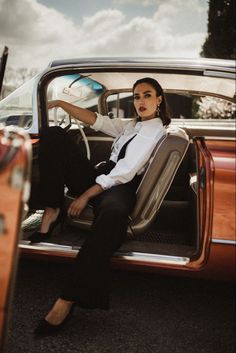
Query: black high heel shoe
x,y
46,329
38,237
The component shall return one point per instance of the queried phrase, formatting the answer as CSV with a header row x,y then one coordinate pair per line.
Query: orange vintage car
x,y
184,219
15,164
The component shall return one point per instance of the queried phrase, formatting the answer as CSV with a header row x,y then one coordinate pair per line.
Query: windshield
x,y
80,90
16,109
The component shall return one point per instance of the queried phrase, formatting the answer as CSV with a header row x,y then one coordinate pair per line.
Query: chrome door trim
x,y
100,138
223,241
153,258
130,256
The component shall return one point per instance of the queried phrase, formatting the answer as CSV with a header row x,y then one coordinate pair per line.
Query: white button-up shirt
x,y
138,151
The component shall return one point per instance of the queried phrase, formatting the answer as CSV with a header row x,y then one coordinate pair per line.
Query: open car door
x,y
15,157
215,185
3,61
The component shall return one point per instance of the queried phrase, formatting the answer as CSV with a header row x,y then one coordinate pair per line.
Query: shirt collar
x,y
150,122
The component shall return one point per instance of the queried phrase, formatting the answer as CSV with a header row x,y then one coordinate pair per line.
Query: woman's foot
x,y
55,319
49,216
59,312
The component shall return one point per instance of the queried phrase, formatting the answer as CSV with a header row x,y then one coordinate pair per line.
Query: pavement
x,y
149,314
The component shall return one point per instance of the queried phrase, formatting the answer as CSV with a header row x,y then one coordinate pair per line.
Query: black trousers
x,y
61,163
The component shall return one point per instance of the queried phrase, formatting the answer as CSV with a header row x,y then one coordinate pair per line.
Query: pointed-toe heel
x,y
38,237
46,329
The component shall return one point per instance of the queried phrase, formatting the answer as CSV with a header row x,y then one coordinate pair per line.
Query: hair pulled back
x,y
164,113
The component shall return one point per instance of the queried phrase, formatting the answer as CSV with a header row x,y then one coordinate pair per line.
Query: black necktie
x,y
123,149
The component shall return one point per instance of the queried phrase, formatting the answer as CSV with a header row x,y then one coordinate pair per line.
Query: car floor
x,y
149,314
170,234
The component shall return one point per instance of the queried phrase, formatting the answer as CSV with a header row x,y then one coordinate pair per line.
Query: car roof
x,y
200,64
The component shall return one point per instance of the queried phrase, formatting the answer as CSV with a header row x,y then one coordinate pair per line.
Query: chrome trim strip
x,y
154,258
100,138
25,244
212,73
187,64
219,138
131,256
223,241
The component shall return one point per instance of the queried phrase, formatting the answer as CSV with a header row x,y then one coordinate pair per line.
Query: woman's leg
x,y
89,281
60,162
88,284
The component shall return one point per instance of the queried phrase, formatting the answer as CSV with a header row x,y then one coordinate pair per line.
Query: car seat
x,y
156,181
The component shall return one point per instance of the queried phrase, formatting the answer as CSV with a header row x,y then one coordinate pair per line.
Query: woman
x,y
111,190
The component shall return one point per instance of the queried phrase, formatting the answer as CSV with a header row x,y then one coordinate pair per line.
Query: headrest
x,y
177,131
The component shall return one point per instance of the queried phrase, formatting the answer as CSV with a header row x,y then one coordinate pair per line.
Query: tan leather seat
x,y
155,183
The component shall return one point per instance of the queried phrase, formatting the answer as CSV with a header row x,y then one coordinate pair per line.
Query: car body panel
x,y
15,159
213,140
3,61
223,154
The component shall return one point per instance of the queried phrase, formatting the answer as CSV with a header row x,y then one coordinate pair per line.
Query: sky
x,y
39,31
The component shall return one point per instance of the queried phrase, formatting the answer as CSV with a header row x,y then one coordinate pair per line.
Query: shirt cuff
x,y
98,123
104,181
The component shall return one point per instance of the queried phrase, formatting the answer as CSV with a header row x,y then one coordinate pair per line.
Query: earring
x,y
158,112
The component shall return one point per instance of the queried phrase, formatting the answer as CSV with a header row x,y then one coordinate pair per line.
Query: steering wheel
x,y
67,127
85,139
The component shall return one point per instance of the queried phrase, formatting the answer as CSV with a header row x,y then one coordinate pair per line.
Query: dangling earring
x,y
158,112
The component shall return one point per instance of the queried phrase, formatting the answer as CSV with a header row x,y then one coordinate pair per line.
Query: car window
x,y
77,89
193,100
201,107
120,105
184,108
16,109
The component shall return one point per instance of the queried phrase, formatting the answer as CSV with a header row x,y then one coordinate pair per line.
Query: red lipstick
x,y
142,109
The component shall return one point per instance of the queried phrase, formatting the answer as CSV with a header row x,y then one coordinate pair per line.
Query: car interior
x,y
165,218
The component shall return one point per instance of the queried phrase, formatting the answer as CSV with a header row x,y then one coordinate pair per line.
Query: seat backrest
x,y
162,167
157,179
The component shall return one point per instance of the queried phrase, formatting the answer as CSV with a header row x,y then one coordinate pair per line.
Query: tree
x,y
15,77
220,42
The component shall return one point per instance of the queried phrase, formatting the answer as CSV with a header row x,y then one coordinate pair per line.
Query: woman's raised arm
x,y
84,115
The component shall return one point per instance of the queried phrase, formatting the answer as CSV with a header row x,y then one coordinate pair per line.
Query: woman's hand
x,y
82,114
53,104
78,205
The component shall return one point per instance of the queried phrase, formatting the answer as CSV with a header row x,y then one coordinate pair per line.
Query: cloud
x,y
135,2
179,3
144,37
27,21
37,34
104,19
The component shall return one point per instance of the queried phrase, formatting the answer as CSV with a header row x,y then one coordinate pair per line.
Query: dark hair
x,y
165,114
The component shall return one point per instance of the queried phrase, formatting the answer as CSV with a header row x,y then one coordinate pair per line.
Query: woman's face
x,y
146,101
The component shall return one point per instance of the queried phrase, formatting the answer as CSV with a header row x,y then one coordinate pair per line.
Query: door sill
x,y
51,249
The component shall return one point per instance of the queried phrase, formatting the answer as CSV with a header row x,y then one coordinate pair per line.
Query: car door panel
x,y
216,195
15,155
